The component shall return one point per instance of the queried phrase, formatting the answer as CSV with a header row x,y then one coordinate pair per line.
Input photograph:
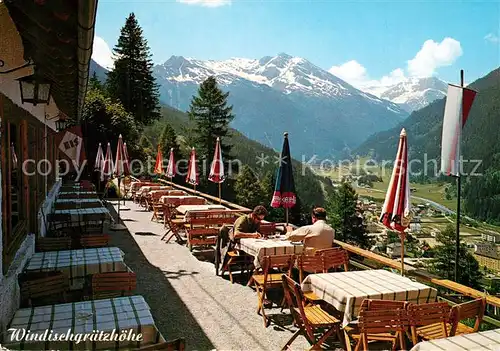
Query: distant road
x,y
435,204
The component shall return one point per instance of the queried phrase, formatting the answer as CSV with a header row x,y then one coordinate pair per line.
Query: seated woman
x,y
317,236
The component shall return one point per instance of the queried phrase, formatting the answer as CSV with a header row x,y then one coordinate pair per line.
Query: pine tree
x,y
343,217
443,263
212,116
249,192
131,81
94,83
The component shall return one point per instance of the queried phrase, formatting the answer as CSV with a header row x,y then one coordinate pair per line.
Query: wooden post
x,y
401,235
220,198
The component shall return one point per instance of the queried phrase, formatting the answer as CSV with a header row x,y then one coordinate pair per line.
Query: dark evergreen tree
x,y
343,217
95,83
131,81
249,192
443,263
211,116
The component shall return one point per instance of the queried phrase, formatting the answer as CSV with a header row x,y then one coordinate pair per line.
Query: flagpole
x,y
457,239
401,236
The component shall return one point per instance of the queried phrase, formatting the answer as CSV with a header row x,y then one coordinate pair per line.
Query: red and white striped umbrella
x,y
171,164
159,161
107,165
126,160
217,168
192,176
118,169
99,160
396,210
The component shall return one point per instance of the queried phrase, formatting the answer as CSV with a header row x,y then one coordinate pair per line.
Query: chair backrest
x,y
113,284
334,258
172,345
472,309
309,264
94,240
51,285
429,313
375,305
211,217
267,228
383,321
53,244
280,262
292,299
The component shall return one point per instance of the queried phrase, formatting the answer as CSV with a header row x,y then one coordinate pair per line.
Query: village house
x,y
44,63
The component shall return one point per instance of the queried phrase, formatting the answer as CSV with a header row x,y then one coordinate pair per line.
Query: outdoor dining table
x,y
166,199
183,209
487,340
77,264
346,290
109,318
82,215
77,194
260,248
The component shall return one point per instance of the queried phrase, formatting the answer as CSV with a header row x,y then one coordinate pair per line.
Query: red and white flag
x,y
458,104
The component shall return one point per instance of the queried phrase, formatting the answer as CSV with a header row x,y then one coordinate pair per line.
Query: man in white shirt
x,y
317,236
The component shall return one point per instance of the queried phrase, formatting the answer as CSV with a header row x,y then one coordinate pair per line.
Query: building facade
x,y
50,41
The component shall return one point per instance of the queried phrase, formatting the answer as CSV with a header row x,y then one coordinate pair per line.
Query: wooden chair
x,y
240,259
473,309
53,244
173,345
310,319
334,258
93,223
309,264
94,240
202,237
352,330
388,325
43,288
429,321
60,224
113,284
265,279
174,226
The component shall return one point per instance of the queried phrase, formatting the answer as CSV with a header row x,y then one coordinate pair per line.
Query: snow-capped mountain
x,y
413,93
322,113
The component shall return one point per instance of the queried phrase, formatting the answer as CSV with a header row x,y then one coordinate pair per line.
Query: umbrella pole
x,y
402,253
286,215
220,199
119,193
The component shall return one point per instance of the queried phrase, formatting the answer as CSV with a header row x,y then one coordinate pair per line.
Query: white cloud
x,y
356,74
101,53
206,3
492,38
352,72
433,55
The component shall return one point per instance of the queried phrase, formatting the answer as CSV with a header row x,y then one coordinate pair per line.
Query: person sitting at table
x,y
246,226
317,236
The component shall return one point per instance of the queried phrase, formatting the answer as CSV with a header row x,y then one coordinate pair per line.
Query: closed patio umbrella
x,y
396,210
284,189
119,172
171,165
159,162
192,175
107,165
217,169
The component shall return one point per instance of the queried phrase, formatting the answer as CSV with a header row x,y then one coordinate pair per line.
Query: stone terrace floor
x,y
188,300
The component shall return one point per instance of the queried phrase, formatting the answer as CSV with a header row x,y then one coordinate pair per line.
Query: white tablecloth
x,y
183,209
268,247
76,264
80,214
488,340
107,315
346,290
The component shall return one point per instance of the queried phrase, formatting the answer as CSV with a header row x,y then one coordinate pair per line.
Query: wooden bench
x,y
94,240
42,288
53,244
203,226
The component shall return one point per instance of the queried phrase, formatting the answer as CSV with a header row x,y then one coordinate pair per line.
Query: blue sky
x,y
360,41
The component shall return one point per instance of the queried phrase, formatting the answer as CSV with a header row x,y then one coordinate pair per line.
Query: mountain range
x,y
323,114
